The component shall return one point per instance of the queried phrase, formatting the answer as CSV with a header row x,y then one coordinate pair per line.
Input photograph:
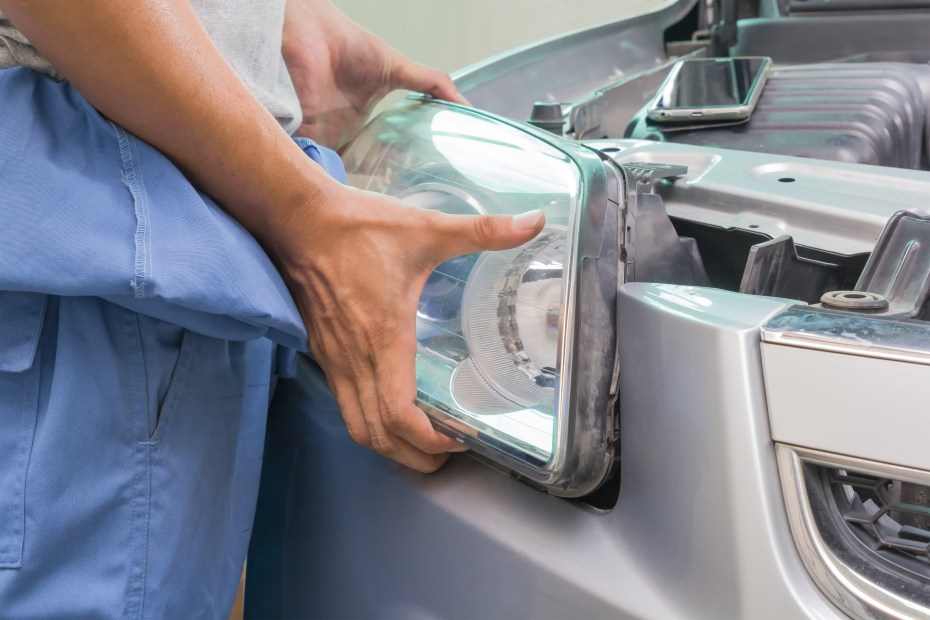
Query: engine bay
x,y
848,87
866,113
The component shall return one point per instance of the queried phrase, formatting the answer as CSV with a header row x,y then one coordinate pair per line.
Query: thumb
x,y
464,234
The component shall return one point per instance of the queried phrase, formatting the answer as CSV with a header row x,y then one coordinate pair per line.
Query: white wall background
x,y
451,34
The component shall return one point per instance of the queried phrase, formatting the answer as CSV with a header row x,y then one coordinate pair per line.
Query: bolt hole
x,y
610,149
754,226
787,180
854,296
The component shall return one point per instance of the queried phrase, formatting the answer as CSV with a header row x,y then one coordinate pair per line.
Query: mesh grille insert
x,y
886,515
879,525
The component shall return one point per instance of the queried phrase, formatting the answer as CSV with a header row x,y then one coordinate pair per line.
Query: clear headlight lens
x,y
496,348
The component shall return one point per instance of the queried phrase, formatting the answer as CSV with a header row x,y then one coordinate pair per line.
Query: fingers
x,y
350,408
414,458
361,415
373,378
395,378
414,76
464,234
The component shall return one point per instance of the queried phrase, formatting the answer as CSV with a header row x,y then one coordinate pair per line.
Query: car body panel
x,y
834,401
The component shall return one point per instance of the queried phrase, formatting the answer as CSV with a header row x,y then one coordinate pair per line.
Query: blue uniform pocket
x,y
21,319
168,354
177,387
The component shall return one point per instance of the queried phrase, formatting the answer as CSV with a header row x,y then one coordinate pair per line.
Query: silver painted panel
x,y
699,473
844,403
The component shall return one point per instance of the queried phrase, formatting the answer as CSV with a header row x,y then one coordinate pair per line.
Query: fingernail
x,y
459,449
526,221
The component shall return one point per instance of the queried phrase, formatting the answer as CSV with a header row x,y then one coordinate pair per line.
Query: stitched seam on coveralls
x,y
28,433
11,553
141,497
132,177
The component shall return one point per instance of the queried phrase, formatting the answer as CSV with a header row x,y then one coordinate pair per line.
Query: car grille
x,y
862,529
889,517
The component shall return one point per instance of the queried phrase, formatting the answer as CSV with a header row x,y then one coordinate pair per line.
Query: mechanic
x,y
142,325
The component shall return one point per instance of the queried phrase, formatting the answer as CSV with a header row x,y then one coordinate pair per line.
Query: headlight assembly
x,y
516,349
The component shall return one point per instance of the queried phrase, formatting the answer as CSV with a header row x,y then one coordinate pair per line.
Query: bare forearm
x,y
150,66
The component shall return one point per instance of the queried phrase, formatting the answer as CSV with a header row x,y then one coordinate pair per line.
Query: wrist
x,y
301,222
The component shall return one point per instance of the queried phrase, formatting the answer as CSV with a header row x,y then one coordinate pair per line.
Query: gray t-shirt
x,y
247,33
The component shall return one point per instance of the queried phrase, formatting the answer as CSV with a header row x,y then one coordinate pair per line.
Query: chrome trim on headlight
x,y
859,582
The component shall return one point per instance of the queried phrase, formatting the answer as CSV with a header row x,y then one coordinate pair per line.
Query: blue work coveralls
x,y
140,331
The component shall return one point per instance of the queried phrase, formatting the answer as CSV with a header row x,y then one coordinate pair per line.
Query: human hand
x,y
340,71
357,274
